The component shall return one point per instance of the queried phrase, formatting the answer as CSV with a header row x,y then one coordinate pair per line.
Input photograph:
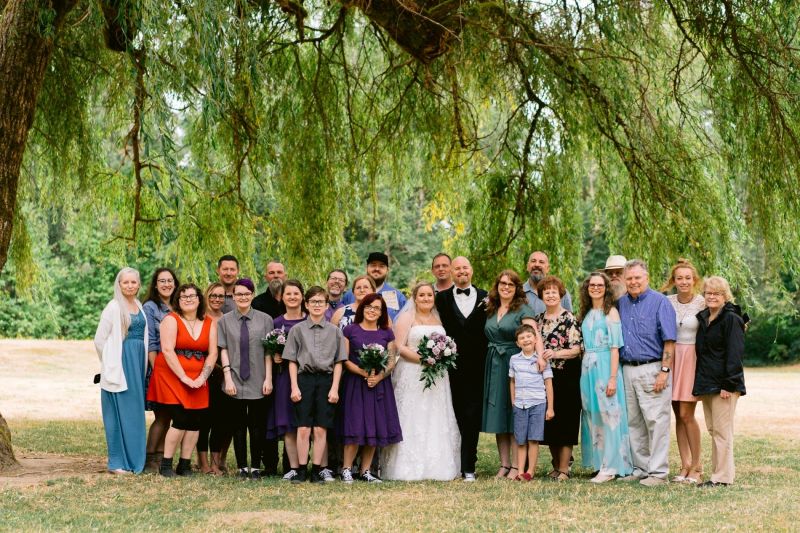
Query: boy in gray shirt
x,y
315,350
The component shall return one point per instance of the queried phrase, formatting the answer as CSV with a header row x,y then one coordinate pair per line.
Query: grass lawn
x,y
766,497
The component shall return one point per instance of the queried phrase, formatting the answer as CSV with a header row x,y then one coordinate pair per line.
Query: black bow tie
x,y
465,292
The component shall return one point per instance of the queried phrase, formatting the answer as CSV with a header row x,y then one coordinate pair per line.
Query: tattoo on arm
x,y
206,372
666,358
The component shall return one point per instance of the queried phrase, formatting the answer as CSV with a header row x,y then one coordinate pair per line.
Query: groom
x,y
463,313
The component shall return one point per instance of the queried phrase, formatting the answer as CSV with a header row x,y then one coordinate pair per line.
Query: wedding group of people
x,y
527,370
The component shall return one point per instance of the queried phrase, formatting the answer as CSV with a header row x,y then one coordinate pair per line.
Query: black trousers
x,y
214,419
468,411
250,416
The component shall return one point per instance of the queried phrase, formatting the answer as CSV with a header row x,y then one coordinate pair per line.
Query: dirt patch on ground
x,y
36,468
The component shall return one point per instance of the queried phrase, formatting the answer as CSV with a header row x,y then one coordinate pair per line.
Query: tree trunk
x,y
7,458
27,32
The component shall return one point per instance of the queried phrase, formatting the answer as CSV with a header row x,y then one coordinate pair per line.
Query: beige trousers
x,y
719,421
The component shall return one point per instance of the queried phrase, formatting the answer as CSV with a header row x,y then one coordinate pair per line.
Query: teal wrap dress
x,y
498,417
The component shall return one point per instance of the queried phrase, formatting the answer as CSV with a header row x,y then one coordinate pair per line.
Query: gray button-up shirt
x,y
315,347
229,328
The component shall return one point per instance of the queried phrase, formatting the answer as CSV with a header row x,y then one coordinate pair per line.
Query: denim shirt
x,y
155,313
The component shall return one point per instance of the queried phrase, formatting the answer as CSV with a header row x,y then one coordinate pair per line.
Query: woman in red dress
x,y
178,383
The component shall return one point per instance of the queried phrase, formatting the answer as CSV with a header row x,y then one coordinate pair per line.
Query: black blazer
x,y
466,380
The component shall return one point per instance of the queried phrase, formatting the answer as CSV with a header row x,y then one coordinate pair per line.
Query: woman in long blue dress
x,y
605,443
121,343
506,310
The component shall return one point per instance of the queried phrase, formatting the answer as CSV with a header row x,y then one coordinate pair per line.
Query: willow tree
x,y
204,126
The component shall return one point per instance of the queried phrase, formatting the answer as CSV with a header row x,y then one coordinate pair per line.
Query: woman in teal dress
x,y
121,343
605,444
506,309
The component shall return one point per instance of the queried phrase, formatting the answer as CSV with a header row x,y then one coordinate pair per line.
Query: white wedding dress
x,y
431,446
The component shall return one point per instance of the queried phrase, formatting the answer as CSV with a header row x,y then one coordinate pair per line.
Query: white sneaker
x,y
326,475
290,475
469,477
369,478
601,478
347,475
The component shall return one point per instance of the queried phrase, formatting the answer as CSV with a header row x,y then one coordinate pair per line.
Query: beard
x,y
618,289
275,287
536,277
378,281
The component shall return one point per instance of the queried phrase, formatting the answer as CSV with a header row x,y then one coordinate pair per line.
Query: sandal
x,y
523,477
509,476
501,474
562,476
694,477
553,474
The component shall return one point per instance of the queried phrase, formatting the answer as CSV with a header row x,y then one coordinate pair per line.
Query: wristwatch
x,y
665,369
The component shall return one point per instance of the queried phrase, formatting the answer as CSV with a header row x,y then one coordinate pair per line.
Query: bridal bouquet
x,y
373,357
275,341
437,354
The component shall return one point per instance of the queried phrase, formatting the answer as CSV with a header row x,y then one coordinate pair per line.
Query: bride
x,y
431,441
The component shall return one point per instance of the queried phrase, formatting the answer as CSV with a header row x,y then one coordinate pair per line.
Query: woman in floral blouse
x,y
562,347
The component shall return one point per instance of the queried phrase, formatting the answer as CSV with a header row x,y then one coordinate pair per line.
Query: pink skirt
x,y
683,373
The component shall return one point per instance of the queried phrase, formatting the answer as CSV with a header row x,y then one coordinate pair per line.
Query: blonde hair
x,y
121,300
718,284
682,263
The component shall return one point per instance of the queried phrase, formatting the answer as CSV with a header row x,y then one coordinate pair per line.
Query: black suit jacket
x,y
466,380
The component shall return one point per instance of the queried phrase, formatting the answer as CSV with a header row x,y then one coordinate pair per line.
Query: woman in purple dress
x,y
370,410
280,416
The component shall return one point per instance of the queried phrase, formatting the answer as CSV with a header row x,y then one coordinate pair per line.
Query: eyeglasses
x,y
216,296
338,280
506,284
242,294
375,308
317,302
714,294
188,297
165,281
597,285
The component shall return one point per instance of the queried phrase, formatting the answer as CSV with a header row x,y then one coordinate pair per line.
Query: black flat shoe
x,y
710,484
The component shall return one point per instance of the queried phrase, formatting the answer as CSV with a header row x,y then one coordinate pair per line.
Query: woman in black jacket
x,y
719,375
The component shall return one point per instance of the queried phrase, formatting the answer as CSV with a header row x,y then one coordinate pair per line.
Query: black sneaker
x,y
369,478
290,475
326,475
302,475
243,473
255,474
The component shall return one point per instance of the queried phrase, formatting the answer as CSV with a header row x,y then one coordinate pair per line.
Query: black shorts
x,y
182,418
314,409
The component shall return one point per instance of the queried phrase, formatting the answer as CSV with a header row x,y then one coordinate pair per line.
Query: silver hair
x,y
125,316
637,263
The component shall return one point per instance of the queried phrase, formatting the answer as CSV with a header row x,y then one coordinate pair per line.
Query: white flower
x,y
448,352
431,344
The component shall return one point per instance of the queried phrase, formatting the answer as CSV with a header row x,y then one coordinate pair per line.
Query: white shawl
x,y
108,343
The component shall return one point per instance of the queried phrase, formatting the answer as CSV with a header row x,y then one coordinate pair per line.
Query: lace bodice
x,y
417,332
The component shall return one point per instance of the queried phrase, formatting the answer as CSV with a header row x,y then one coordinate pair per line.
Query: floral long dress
x,y
605,441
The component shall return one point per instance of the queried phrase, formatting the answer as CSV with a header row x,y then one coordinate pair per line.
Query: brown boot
x,y
152,463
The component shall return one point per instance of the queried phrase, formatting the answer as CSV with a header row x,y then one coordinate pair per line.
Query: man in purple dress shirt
x,y
649,331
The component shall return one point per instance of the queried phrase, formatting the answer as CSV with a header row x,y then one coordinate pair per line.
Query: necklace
x,y
426,320
687,309
191,324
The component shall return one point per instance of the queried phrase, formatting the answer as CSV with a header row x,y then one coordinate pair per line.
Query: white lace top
x,y
685,317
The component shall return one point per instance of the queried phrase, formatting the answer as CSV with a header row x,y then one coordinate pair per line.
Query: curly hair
x,y
517,301
586,300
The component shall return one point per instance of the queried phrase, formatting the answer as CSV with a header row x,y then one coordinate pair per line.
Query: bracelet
x,y
225,366
226,369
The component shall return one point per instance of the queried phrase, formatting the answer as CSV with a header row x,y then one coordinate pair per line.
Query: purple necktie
x,y
244,350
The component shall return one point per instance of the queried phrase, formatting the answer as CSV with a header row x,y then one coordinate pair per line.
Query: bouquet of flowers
x,y
437,354
275,342
373,357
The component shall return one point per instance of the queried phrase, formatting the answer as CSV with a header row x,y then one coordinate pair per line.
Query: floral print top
x,y
560,333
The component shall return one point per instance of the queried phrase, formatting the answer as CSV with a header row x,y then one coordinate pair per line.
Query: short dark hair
x,y
383,320
524,328
313,291
176,300
440,254
228,258
346,279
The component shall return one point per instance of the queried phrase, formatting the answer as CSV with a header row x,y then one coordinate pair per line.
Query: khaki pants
x,y
649,415
719,421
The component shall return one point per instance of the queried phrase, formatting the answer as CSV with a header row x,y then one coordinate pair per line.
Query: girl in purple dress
x,y
370,410
280,415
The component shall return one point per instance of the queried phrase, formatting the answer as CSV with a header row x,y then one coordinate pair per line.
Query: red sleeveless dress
x,y
165,387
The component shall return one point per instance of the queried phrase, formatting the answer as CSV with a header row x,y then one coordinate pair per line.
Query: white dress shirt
x,y
466,303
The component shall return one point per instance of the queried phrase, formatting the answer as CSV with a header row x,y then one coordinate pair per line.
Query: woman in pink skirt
x,y
687,303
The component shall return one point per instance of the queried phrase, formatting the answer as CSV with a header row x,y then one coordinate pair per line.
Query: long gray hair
x,y
125,317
